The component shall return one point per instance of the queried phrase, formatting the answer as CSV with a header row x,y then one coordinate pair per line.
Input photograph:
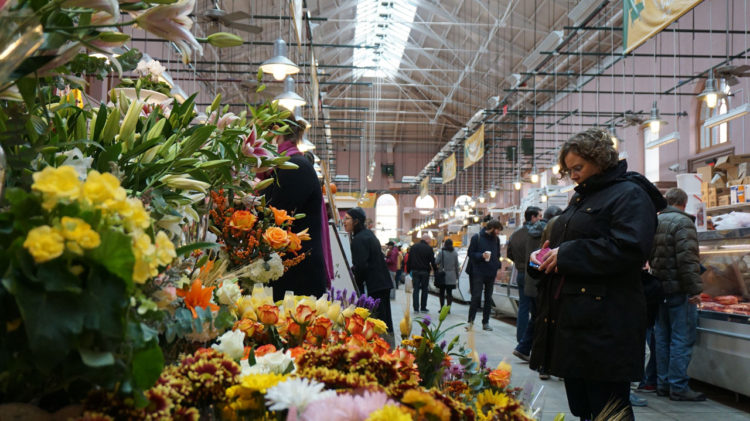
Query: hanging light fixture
x,y
534,175
452,213
543,198
279,65
613,135
711,94
654,122
481,198
289,99
517,185
556,169
493,193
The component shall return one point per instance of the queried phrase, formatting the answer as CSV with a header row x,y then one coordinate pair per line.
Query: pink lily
x,y
171,22
253,147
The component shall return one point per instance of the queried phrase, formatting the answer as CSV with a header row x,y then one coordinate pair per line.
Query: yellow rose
x,y
276,237
44,243
165,251
363,312
80,234
57,184
102,190
379,325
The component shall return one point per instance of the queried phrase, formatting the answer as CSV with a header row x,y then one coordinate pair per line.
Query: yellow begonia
x,y
146,265
363,312
44,243
389,413
103,190
133,214
79,234
57,184
165,251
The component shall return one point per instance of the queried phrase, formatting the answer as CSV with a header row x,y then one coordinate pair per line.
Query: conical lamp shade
x,y
279,65
289,99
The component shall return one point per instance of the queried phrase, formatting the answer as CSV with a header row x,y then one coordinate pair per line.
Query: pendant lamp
x,y
654,122
289,99
710,93
279,65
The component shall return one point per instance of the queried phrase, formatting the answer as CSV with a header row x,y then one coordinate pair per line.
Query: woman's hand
x,y
549,264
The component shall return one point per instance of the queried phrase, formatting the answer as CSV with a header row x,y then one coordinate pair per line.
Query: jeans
x,y
523,307
477,283
675,335
421,281
649,376
524,345
446,292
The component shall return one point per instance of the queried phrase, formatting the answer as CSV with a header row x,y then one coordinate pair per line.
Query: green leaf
x,y
195,141
559,417
56,277
147,366
96,359
214,163
196,246
101,117
111,127
106,303
116,255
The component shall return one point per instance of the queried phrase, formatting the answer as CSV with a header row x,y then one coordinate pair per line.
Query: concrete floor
x,y
499,345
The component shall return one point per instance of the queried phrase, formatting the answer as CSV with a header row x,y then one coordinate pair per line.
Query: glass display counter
x,y
721,355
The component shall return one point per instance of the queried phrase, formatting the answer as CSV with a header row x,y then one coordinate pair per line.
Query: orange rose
x,y
263,350
321,327
303,313
276,237
296,352
295,243
355,324
243,220
380,346
280,216
499,378
268,314
368,331
250,327
293,328
402,355
356,342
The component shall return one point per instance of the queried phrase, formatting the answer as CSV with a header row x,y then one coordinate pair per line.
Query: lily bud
x,y
215,103
263,184
184,182
127,130
224,39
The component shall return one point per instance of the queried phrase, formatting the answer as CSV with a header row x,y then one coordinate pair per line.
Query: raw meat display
x,y
711,306
727,299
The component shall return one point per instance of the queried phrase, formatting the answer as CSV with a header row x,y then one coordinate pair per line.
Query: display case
x,y
721,355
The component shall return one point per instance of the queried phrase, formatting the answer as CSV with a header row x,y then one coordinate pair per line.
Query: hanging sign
x,y
474,148
449,168
424,187
643,19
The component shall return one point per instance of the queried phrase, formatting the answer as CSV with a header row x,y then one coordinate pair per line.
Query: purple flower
x,y
427,320
483,361
455,371
443,344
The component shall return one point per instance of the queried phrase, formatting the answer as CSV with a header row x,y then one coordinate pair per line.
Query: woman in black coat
x,y
299,191
591,324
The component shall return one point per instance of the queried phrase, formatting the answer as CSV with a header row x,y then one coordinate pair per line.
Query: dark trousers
x,y
587,398
522,320
421,281
524,345
477,284
399,278
446,292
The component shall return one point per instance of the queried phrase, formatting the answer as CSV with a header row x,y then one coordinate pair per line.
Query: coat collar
x,y
672,209
599,181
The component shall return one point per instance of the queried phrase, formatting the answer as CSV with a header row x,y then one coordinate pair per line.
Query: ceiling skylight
x,y
385,25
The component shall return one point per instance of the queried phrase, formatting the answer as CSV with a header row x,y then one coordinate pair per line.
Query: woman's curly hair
x,y
594,145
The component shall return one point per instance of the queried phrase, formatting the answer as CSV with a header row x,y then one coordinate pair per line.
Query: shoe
x,y
424,310
662,391
469,326
687,395
636,400
521,355
544,376
646,388
486,326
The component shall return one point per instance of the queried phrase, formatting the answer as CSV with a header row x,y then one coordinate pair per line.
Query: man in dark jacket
x,y
675,262
369,267
517,253
484,253
421,261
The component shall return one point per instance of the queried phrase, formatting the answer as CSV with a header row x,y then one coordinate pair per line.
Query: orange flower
x,y
295,244
243,220
355,324
197,296
280,216
296,351
405,357
205,269
268,314
263,350
356,341
276,237
500,377
380,346
368,330
293,328
303,313
248,326
303,235
321,327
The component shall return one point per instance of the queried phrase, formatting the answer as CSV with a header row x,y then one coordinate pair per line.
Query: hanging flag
x,y
643,19
424,187
449,168
474,148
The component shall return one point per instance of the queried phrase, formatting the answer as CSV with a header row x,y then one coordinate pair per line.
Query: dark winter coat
x,y
674,259
369,263
517,247
421,257
591,320
299,191
533,243
480,243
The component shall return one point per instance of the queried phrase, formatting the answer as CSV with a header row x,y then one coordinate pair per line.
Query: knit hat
x,y
357,213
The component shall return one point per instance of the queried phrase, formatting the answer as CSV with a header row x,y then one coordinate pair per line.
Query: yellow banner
x,y
449,168
642,19
424,186
474,148
355,199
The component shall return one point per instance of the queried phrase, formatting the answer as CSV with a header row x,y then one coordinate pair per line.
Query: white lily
x,y
171,22
112,7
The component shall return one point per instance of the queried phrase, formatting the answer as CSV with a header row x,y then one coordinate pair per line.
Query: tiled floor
x,y
499,344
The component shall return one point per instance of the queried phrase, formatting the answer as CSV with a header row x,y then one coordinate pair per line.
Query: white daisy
x,y
296,393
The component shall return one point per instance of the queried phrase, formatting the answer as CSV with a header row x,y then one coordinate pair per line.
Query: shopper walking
x,y
391,261
484,254
370,272
298,190
518,254
675,262
421,262
447,261
590,324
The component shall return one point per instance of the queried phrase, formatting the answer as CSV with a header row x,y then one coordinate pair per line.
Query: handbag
x,y
440,274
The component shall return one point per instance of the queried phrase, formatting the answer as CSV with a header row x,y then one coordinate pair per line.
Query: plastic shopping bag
x,y
408,285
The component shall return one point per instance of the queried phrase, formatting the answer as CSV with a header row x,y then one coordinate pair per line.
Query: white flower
x,y
275,362
229,293
296,393
266,271
142,68
171,22
232,344
75,159
156,69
